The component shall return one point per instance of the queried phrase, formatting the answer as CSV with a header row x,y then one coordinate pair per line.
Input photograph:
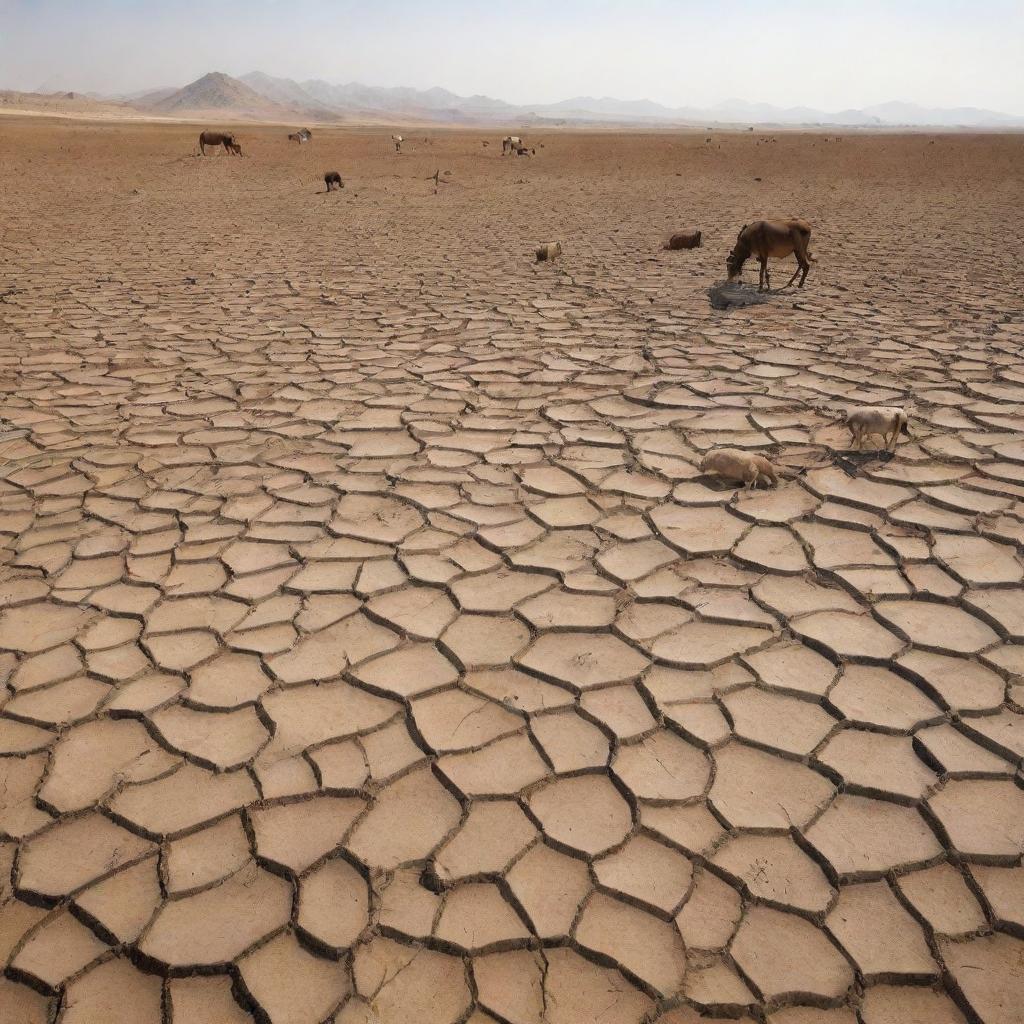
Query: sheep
x,y
688,239
888,421
332,178
734,464
549,251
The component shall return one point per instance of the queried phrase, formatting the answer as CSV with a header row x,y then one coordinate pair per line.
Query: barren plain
x,y
374,650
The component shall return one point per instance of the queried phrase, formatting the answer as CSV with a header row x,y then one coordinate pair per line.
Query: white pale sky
x,y
819,53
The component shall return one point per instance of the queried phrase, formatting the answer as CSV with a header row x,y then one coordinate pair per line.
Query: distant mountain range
x,y
259,96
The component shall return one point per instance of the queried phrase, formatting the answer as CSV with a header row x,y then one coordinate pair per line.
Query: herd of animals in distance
x,y
764,239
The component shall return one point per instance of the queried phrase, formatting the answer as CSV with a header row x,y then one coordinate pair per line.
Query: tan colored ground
x,y
374,650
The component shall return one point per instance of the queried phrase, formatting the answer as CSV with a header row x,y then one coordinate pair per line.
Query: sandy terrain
x,y
374,649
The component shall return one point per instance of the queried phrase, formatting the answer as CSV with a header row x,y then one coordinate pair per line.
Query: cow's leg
x,y
799,267
800,249
803,265
202,148
794,237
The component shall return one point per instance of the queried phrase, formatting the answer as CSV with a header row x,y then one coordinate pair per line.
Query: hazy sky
x,y
823,54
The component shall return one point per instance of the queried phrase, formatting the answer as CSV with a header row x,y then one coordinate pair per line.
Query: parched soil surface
x,y
374,649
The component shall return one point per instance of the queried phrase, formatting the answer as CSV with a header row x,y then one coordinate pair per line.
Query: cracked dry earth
x,y
374,650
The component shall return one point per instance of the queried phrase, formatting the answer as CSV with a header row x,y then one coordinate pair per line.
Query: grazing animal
x,y
397,140
302,135
523,151
549,251
775,238
225,139
689,239
734,464
332,178
511,144
888,421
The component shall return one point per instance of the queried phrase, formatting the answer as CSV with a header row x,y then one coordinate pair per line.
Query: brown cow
x,y
225,139
775,238
332,178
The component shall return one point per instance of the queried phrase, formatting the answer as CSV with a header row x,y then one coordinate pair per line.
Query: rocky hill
x,y
217,93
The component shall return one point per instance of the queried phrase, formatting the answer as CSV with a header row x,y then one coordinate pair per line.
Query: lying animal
x,y
775,238
333,178
549,251
734,464
225,139
689,239
302,135
888,421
